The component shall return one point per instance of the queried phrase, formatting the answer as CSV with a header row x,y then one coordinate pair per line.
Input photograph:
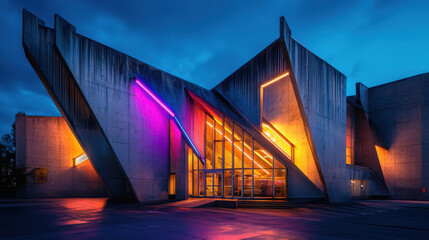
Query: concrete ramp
x,y
205,202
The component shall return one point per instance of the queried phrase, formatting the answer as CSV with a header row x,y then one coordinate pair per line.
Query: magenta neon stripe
x,y
155,98
182,130
188,139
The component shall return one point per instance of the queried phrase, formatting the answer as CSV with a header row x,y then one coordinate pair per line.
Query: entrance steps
x,y
271,204
231,203
194,203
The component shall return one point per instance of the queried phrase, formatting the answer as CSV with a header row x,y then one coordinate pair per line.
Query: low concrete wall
x,y
47,142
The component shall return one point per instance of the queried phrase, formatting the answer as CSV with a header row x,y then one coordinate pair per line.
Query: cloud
x,y
204,42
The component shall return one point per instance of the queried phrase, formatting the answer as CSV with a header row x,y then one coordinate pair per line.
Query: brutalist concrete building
x,y
279,127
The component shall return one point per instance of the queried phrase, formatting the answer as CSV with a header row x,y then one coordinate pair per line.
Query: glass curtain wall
x,y
195,168
237,166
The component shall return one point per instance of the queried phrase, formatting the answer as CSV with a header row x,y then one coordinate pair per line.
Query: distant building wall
x,y
398,110
47,142
391,137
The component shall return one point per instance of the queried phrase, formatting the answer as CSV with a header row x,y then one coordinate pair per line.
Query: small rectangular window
x,y
172,184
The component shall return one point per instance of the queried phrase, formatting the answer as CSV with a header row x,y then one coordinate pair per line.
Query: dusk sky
x,y
370,41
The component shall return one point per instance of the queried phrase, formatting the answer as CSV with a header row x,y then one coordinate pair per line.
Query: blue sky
x,y
370,41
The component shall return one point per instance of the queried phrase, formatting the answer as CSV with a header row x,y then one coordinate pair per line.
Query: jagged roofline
x,y
187,84
33,47
255,133
286,33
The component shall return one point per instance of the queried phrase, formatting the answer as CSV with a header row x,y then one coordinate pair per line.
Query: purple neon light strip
x,y
172,115
155,98
187,138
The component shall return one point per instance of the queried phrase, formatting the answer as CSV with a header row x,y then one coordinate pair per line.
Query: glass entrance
x,y
213,183
236,165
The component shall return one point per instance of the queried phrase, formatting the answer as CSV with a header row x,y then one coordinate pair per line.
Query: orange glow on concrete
x,y
275,80
274,136
271,134
382,154
287,121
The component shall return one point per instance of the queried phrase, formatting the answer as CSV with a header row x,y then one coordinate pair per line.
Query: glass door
x,y
214,181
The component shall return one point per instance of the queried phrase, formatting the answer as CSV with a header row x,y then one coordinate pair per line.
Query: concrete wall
x,y
322,91
126,134
47,142
398,111
298,184
39,46
375,188
281,109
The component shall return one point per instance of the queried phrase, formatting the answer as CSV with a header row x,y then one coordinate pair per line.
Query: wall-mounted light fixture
x,y
79,159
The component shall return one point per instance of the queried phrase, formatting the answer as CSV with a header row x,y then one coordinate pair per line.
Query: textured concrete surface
x,y
281,109
322,91
124,132
397,118
98,219
47,142
375,187
39,46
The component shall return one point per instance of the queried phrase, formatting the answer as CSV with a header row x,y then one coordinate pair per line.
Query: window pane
x,y
218,145
280,183
190,181
201,183
195,176
172,184
278,164
247,151
237,183
238,145
217,184
227,183
263,184
228,143
195,164
247,183
263,159
209,184
209,142
277,138
190,155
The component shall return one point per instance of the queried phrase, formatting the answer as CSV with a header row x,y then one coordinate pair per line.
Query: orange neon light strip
x,y
274,80
267,135
229,140
279,136
247,146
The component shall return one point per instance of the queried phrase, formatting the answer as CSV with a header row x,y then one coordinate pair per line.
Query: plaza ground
x,y
97,218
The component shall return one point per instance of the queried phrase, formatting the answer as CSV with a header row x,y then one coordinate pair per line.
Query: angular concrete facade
x,y
391,139
275,128
47,142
